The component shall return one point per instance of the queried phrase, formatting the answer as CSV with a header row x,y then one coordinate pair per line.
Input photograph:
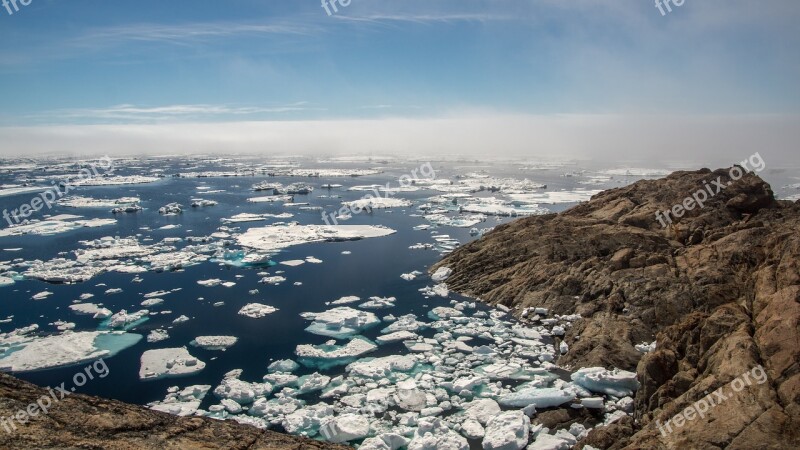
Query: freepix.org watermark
x,y
12,6
665,6
331,4
43,405
712,400
755,163
49,197
426,171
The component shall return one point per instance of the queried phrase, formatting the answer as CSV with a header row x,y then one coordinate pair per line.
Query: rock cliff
x,y
718,289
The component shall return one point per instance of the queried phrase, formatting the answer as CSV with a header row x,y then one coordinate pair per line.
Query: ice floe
x,y
168,362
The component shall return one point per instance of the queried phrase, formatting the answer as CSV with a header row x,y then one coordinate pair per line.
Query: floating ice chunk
x,y
440,289
619,383
546,441
382,368
182,403
214,342
125,321
313,260
378,303
331,354
345,428
276,237
441,274
433,434
408,322
54,225
210,283
396,337
168,362
90,309
6,281
242,392
25,354
284,365
256,310
152,302
312,383
482,410
293,262
114,180
538,397
472,429
411,275
157,335
276,280
384,441
346,300
368,203
443,313
507,431
180,319
340,322
42,295
202,203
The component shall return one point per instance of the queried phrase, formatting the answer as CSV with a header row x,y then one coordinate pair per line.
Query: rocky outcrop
x,y
718,289
83,422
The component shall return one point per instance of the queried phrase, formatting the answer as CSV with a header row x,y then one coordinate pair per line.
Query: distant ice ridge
x,y
88,202
276,237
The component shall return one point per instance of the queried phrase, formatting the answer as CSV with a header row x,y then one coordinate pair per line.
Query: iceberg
x,y
256,310
538,397
182,403
168,362
277,237
341,322
20,353
330,355
214,342
507,431
619,383
345,428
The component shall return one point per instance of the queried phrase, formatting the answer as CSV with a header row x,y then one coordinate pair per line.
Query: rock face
x,y
718,289
80,421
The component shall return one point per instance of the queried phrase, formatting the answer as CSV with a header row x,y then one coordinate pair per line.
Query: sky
x,y
600,78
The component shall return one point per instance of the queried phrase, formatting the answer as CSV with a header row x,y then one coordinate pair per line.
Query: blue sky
x,y
84,62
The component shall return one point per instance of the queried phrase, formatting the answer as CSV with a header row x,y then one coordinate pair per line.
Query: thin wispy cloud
x,y
173,113
190,33
425,18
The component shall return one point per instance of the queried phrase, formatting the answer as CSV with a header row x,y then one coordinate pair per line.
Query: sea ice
x,y
25,354
434,434
345,428
341,322
214,342
619,383
168,362
507,431
538,397
256,310
276,237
